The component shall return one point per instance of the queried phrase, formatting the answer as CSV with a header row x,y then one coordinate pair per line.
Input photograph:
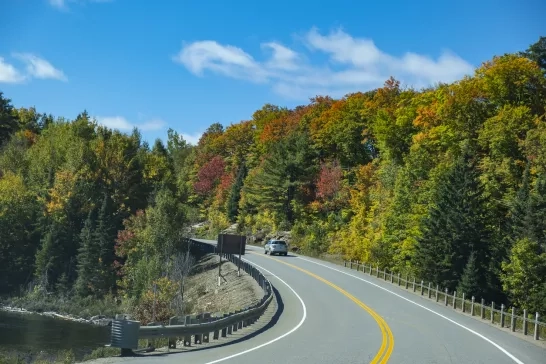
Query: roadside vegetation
x,y
446,183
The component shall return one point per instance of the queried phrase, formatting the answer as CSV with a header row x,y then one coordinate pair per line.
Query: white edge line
x,y
426,308
277,338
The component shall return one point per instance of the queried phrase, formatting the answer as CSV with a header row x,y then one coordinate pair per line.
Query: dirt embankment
x,y
204,295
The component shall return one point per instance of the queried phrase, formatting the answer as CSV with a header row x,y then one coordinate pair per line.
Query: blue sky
x,y
188,64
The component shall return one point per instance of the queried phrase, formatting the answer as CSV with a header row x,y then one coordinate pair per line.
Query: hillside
x,y
447,183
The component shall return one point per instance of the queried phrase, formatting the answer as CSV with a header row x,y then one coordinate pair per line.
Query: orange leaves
x,y
30,136
427,116
282,126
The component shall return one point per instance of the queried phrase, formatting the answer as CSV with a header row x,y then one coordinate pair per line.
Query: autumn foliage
x,y
446,183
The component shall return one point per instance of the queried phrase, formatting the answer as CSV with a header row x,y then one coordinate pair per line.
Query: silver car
x,y
276,247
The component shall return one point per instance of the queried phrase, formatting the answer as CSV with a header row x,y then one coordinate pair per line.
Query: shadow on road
x,y
270,324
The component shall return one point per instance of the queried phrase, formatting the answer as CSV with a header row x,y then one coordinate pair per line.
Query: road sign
x,y
231,244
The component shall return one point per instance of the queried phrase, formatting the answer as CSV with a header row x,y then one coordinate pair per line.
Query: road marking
x,y
277,338
423,307
387,344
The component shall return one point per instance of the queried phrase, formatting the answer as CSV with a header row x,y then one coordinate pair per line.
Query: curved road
x,y
336,315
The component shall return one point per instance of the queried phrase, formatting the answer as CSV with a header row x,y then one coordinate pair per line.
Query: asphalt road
x,y
336,315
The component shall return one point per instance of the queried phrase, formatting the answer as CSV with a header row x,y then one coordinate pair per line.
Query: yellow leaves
x,y
513,79
13,192
62,191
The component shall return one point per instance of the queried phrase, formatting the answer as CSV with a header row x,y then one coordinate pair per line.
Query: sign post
x,y
240,251
221,241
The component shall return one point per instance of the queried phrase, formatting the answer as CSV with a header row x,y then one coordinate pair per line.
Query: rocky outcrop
x,y
95,320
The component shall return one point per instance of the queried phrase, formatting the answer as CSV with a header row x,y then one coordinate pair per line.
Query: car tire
x,y
265,252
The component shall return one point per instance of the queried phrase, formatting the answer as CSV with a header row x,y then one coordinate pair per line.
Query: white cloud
x,y
40,68
63,4
9,74
354,64
122,124
192,138
35,67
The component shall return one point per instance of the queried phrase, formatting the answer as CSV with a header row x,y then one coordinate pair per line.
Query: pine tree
x,y
87,260
288,167
49,258
470,283
455,227
103,238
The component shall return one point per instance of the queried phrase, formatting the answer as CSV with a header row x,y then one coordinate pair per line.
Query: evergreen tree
x,y
49,258
9,123
470,283
87,260
288,167
455,227
103,238
235,194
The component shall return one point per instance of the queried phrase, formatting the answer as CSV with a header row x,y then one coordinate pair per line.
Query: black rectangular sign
x,y
231,244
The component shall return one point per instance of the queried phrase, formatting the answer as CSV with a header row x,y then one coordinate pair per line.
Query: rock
x,y
102,322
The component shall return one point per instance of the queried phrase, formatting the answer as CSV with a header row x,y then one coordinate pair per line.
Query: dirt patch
x,y
204,295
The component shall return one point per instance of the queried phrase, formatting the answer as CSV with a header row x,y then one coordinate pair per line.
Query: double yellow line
x,y
387,344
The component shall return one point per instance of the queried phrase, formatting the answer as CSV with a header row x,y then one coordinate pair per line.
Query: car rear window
x,y
279,242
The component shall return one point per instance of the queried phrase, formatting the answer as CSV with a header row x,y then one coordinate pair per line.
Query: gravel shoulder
x,y
234,293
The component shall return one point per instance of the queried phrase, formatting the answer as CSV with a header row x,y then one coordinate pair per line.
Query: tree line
x,y
446,183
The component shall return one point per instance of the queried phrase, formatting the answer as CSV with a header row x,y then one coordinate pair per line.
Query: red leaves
x,y
209,174
329,181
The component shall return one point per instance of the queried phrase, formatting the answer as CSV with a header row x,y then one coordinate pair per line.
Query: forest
x,y
446,183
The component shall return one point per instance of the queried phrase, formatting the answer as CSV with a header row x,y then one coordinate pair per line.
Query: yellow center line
x,y
387,344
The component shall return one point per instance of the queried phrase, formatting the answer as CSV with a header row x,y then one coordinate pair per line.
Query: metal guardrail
x,y
125,333
500,316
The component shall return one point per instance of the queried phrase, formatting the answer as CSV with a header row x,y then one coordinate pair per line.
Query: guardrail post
x,y
464,304
472,307
230,327
351,264
235,326
187,338
413,284
492,312
525,322
399,279
392,277
513,320
437,293
197,338
429,291
357,266
385,273
502,315
455,299
422,287
225,329
175,320
345,263
407,281
446,297
216,334
206,318
482,309
536,325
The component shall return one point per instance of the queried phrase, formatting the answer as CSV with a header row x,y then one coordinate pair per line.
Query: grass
x,y
102,352
61,357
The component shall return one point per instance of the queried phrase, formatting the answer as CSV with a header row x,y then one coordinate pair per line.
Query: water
x,y
23,333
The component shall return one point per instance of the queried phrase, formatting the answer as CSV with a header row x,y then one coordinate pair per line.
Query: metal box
x,y
124,334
